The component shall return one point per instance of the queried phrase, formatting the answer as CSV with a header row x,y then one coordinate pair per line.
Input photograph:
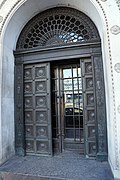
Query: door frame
x,y
91,50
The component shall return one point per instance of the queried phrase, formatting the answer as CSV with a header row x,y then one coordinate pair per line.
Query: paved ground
x,y
65,166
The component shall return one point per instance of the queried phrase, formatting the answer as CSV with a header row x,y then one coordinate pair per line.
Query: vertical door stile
x,y
100,108
61,109
19,122
49,108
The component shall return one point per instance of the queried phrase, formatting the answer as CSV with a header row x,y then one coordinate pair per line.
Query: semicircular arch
x,y
57,26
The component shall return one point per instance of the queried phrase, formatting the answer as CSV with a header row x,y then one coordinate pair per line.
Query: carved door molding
x,y
19,117
100,108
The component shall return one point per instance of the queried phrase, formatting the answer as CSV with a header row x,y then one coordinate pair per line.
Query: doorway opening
x,y
60,102
67,107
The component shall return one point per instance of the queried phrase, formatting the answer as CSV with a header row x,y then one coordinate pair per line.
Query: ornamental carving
x,y
119,109
2,3
115,29
117,67
1,19
118,3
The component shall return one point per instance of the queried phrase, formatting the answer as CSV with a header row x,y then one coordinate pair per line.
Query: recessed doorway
x,y
53,111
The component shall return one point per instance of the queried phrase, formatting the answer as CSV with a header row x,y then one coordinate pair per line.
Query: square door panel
x,y
88,67
29,131
41,101
28,89
29,146
28,102
42,146
41,132
91,132
40,72
90,116
28,117
40,86
41,117
89,99
91,148
28,73
88,83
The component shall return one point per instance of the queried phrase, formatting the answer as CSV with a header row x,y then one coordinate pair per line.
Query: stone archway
x,y
57,31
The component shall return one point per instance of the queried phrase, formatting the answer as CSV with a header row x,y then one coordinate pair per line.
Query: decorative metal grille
x,y
55,27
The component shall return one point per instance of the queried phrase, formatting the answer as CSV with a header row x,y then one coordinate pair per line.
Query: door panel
x,y
68,108
89,107
37,109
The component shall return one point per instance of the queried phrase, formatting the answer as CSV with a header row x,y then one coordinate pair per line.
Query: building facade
x,y
59,78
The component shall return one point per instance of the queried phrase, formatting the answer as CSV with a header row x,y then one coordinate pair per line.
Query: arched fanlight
x,y
57,26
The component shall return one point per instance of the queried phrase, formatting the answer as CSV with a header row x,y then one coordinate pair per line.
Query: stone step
x,y
15,176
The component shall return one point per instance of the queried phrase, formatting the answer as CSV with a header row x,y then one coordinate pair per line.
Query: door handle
x,y
60,134
59,97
